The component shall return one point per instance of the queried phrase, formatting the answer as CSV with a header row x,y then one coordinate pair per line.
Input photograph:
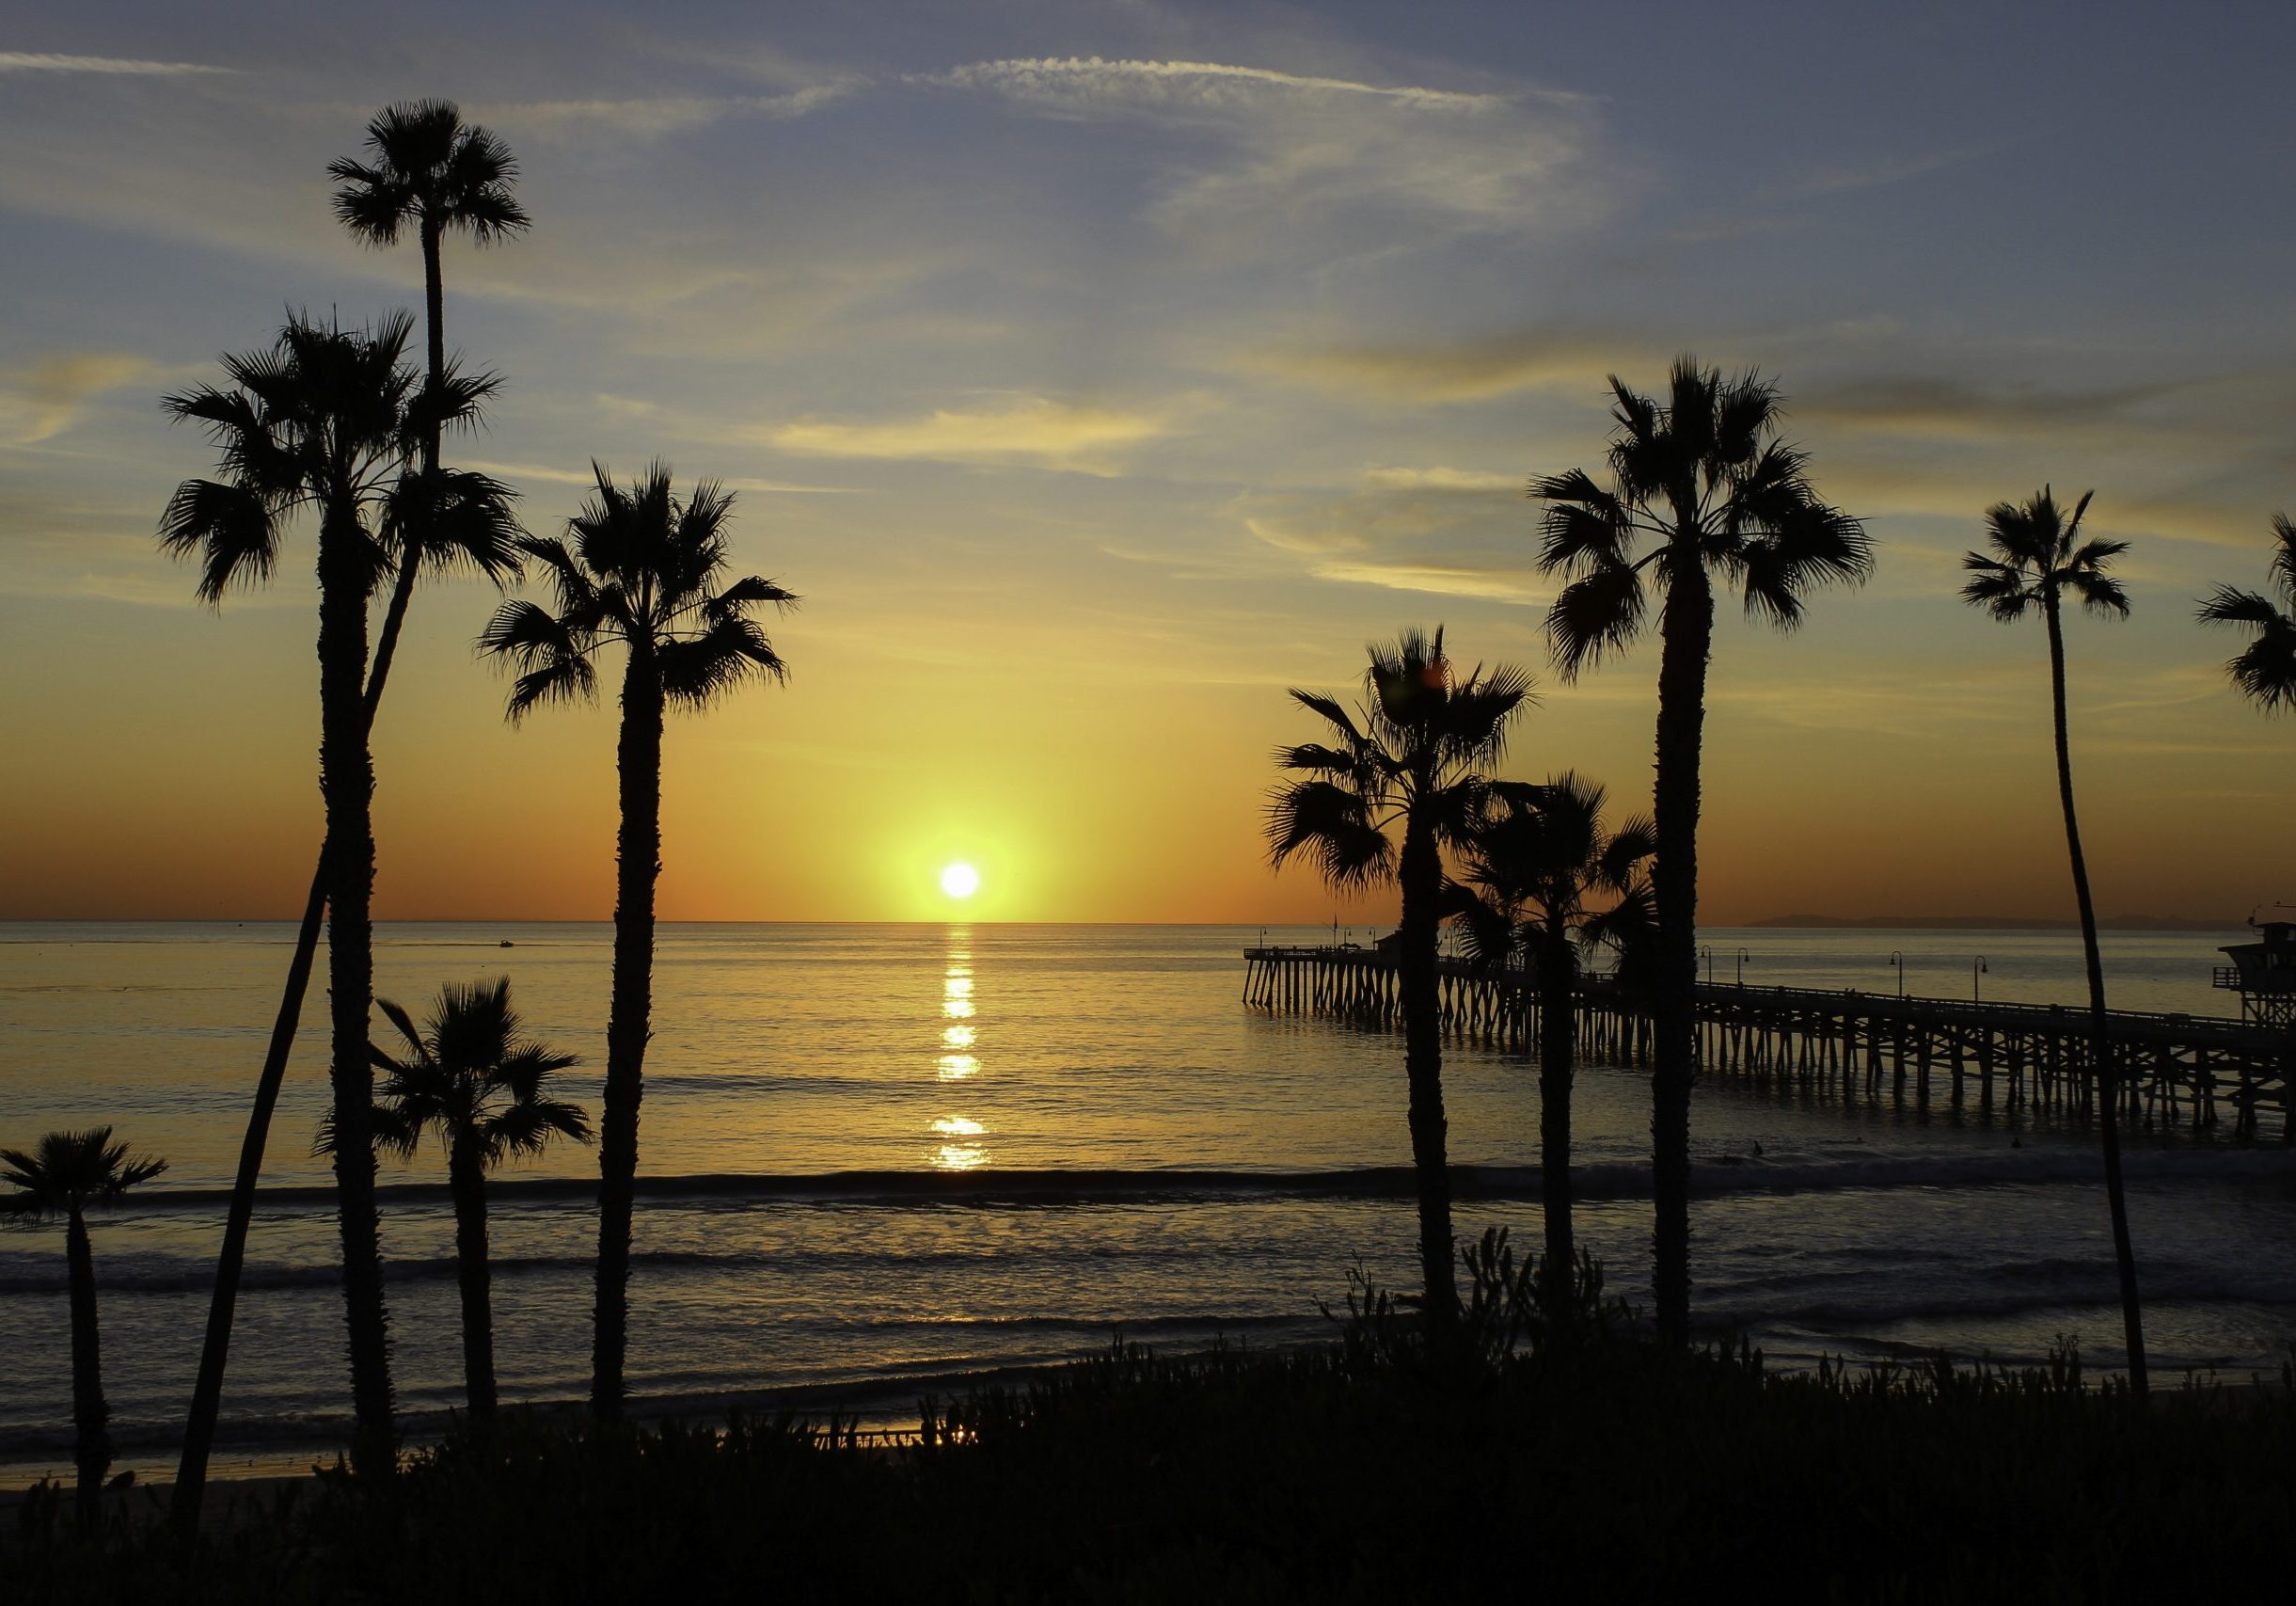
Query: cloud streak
x,y
1029,430
33,61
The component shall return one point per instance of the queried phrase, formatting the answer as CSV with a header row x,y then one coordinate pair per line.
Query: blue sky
x,y
1095,371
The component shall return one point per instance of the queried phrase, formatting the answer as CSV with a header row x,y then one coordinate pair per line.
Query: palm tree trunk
x,y
347,782
2108,1081
435,322
89,1414
223,1302
1558,1050
638,864
1422,877
1687,631
467,1181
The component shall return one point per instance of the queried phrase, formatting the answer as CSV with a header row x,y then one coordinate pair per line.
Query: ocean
x,y
880,1160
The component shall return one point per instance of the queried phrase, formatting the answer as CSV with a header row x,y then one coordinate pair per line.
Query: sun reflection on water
x,y
954,1152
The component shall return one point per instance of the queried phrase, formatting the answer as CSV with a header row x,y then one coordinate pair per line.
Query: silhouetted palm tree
x,y
469,1077
1704,478
644,569
68,1175
2266,668
434,174
1415,756
2038,556
1542,878
331,420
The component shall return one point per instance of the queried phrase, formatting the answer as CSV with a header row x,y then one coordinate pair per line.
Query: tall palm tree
x,y
331,420
2266,668
641,567
1702,476
1415,758
470,1076
437,175
2038,557
68,1175
1543,877
434,174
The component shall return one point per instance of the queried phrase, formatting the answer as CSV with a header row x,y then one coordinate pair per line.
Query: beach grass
x,y
1609,1468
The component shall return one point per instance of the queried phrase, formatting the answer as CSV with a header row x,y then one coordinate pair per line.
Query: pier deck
x,y
2201,1071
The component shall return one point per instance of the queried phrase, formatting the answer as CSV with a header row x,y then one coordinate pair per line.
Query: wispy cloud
x,y
1028,430
653,116
1450,580
31,61
1449,532
48,397
1300,151
1086,82
1451,370
583,477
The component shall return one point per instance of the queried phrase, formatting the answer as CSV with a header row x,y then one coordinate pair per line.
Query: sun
x,y
960,879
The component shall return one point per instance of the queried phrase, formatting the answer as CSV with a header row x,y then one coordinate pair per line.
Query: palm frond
x,y
1999,588
1597,614
699,669
229,527
1332,826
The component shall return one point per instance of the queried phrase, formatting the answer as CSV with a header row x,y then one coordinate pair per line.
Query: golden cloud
x,y
1030,431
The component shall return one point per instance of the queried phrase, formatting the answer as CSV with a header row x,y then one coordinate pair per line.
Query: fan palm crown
x,y
330,419
69,1173
429,170
1540,861
644,567
2265,670
2037,558
1704,478
1415,753
472,1078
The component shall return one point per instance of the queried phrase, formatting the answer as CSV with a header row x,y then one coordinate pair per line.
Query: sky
x,y
1096,372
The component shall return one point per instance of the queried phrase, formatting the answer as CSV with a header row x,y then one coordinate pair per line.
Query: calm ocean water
x,y
884,1157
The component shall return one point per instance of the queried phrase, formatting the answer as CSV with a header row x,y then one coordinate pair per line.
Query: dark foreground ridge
x,y
1580,1467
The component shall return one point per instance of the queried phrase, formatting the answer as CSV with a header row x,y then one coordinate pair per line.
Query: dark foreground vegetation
x,y
1560,1455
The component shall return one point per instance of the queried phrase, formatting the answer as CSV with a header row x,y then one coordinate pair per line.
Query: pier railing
x,y
2205,1072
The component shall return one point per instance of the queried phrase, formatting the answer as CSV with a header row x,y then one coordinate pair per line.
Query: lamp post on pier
x,y
1743,957
1708,952
1975,994
1897,957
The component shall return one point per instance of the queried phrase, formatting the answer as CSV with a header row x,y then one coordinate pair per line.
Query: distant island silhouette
x,y
1987,923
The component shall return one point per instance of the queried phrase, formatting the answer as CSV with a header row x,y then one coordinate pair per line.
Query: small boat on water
x,y
506,943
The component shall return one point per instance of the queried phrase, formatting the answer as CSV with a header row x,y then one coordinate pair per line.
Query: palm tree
x,y
644,569
2038,557
1416,755
1538,861
438,175
469,1077
331,420
434,174
67,1175
1704,478
2266,668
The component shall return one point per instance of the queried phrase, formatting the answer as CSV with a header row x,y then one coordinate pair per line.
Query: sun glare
x,y
960,880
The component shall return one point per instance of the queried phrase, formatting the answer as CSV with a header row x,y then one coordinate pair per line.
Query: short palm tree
x,y
470,1075
644,567
1542,879
2037,559
330,421
1701,477
2266,668
1414,759
69,1174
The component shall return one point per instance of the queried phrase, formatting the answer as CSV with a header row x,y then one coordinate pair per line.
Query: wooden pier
x,y
2203,1073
